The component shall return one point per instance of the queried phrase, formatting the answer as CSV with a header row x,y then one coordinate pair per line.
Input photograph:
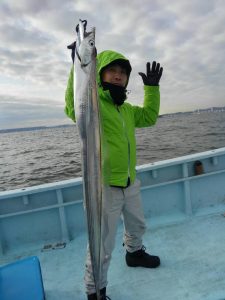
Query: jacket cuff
x,y
149,88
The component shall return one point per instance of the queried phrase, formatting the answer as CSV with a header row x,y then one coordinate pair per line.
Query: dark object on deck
x,y
198,167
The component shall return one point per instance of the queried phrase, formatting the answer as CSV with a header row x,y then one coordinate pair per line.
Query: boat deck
x,y
192,264
185,213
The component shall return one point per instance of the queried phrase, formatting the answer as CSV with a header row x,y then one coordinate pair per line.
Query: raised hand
x,y
153,75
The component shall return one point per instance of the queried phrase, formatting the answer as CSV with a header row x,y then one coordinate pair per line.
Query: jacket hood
x,y
108,57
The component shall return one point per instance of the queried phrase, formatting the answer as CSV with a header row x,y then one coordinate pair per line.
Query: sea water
x,y
35,157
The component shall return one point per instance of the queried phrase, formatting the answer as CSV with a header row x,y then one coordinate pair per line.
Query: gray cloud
x,y
20,112
185,36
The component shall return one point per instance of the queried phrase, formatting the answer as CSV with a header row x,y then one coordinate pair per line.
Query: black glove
x,y
153,75
72,47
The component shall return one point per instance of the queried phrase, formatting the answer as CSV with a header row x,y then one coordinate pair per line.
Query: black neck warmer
x,y
118,93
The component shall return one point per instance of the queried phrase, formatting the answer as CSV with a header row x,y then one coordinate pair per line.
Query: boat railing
x,y
172,191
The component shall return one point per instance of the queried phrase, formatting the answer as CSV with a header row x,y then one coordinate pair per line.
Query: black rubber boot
x,y
142,259
102,293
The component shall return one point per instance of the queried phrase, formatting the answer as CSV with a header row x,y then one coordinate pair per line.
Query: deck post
x,y
25,199
215,160
187,191
1,248
65,234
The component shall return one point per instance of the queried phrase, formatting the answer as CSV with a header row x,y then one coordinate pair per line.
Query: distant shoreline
x,y
9,130
198,111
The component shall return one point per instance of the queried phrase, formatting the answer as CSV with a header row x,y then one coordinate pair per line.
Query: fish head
x,y
85,44
87,49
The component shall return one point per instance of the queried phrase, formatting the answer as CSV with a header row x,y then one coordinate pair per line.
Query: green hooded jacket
x,y
119,122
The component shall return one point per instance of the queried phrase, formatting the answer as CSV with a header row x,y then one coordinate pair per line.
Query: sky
x,y
186,37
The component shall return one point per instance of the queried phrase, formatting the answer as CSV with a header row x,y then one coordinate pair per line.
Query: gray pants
x,y
125,202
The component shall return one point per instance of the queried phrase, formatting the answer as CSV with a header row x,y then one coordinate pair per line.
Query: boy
x,y
119,122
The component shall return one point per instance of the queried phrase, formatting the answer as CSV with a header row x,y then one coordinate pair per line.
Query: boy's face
x,y
115,74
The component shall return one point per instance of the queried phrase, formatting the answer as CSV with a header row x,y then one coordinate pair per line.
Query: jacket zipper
x,y
124,128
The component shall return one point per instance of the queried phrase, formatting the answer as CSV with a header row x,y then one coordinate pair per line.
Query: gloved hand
x,y
72,47
153,75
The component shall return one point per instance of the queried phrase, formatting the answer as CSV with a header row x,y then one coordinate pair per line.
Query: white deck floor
x,y
192,265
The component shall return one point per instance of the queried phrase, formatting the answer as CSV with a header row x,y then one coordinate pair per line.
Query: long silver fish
x,y
89,127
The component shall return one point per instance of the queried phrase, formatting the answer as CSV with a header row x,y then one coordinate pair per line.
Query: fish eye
x,y
91,43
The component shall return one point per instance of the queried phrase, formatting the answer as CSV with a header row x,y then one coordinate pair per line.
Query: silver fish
x,y
89,127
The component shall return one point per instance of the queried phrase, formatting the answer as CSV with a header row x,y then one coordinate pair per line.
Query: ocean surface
x,y
35,157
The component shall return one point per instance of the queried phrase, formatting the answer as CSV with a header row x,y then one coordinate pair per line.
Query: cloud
x,y
22,112
185,36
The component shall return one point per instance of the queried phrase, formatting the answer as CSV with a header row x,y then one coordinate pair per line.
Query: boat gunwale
x,y
142,168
